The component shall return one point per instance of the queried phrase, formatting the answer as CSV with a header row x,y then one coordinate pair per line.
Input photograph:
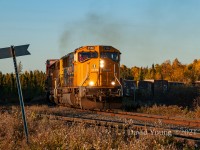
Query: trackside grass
x,y
171,111
54,134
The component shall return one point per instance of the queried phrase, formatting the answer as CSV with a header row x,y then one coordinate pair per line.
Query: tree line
x,y
171,71
32,84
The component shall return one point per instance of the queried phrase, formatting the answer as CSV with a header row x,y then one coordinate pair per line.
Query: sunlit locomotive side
x,y
86,78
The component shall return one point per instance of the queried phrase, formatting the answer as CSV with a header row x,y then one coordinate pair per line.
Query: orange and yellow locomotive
x,y
86,78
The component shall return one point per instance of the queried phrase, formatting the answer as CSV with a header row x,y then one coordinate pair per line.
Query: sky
x,y
145,31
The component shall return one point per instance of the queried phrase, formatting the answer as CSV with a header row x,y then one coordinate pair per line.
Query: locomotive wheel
x,y
47,96
88,104
56,100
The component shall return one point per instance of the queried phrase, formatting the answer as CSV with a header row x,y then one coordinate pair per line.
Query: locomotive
x,y
86,78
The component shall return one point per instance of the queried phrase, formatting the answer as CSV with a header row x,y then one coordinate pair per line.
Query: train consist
x,y
150,87
86,78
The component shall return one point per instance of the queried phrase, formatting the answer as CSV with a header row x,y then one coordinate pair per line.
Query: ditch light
x,y
13,52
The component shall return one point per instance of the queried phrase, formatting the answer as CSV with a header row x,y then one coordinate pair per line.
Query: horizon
x,y
148,66
146,32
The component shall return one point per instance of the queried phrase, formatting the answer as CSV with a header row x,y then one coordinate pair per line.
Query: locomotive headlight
x,y
113,82
101,63
91,83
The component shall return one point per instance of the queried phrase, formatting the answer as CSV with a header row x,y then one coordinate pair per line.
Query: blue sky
x,y
146,31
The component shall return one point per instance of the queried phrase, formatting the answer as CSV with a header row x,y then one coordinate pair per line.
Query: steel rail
x,y
192,123
190,135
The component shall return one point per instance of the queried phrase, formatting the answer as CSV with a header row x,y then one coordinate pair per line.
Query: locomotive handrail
x,y
55,88
86,75
118,80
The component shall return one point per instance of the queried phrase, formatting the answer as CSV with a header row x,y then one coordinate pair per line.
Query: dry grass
x,y
197,112
55,134
172,111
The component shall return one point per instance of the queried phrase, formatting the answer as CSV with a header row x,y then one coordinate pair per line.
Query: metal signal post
x,y
20,92
14,52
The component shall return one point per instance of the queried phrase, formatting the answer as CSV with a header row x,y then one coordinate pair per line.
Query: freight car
x,y
129,87
86,78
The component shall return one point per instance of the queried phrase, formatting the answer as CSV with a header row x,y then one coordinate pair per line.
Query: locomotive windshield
x,y
83,56
112,55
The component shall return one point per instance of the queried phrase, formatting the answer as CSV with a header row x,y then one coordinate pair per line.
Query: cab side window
x,y
83,56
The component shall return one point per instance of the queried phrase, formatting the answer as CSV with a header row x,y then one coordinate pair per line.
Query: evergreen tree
x,y
32,83
141,74
153,72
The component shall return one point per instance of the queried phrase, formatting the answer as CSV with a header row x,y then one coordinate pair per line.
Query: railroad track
x,y
154,118
149,118
186,129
